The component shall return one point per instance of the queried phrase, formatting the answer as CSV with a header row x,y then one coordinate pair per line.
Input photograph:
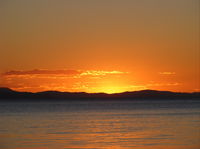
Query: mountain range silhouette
x,y
8,94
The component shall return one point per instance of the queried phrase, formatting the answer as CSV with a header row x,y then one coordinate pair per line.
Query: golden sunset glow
x,y
79,45
111,89
99,74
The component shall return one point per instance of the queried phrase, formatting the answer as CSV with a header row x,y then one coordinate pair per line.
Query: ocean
x,y
106,124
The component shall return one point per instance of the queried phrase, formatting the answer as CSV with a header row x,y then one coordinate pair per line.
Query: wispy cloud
x,y
100,73
41,72
63,80
197,89
79,80
167,73
163,84
61,72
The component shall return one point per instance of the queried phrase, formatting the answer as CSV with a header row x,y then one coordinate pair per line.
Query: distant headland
x,y
8,94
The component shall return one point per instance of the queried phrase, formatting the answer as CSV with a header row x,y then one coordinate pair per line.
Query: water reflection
x,y
109,128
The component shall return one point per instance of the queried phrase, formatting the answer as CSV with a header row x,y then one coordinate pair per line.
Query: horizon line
x,y
97,92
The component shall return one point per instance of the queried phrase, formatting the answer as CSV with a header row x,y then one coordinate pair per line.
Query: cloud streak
x,y
167,73
77,81
63,80
41,72
61,72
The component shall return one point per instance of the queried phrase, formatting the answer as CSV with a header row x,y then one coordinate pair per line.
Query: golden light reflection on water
x,y
100,129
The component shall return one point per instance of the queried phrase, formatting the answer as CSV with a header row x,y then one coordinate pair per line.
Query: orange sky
x,y
100,46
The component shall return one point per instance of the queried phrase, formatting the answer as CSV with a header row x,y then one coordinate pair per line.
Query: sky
x,y
100,45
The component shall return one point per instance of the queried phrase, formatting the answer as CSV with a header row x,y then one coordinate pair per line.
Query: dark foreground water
x,y
100,125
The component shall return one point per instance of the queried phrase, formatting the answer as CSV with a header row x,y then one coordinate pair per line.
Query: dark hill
x,y
8,94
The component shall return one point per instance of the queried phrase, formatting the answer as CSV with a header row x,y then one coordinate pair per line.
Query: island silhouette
x,y
9,95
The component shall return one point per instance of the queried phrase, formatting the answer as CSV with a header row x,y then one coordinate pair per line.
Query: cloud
x,y
100,73
163,84
61,72
63,80
197,89
167,73
41,72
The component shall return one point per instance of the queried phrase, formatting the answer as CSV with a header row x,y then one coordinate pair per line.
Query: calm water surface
x,y
100,125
